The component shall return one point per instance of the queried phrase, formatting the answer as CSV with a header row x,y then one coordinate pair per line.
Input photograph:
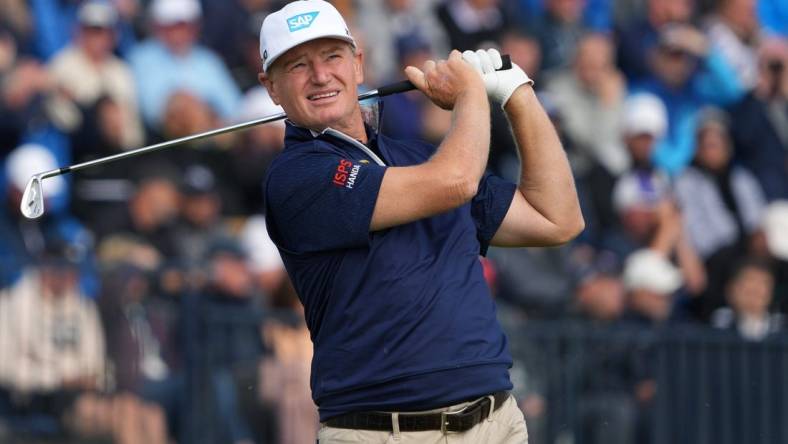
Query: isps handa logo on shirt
x,y
301,21
346,174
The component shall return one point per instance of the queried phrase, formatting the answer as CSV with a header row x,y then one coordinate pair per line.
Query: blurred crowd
x,y
674,115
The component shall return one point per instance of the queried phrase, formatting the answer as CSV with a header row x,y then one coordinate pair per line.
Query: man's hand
x,y
500,85
445,81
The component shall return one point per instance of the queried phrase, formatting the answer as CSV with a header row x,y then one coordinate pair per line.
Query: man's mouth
x,y
324,95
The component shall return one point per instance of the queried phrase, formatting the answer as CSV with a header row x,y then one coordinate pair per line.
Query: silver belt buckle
x,y
445,418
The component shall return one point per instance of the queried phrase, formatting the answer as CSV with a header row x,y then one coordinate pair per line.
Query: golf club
x,y
32,205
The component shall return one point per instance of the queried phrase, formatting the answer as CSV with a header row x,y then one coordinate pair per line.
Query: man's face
x,y
750,293
317,84
674,66
97,41
178,37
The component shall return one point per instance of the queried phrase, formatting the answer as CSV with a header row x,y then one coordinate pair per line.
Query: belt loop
x,y
492,407
395,425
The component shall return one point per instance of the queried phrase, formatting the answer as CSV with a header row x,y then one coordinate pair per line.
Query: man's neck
x,y
352,127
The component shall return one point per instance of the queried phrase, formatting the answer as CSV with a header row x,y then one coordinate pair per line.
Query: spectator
x,y
105,189
558,30
87,70
229,310
687,75
722,204
637,39
600,298
141,339
650,280
22,241
199,223
284,374
385,23
760,135
644,120
150,214
172,60
52,356
229,28
472,24
749,294
733,30
24,90
590,98
256,147
404,113
606,404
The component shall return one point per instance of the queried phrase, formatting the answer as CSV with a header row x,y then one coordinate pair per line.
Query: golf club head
x,y
32,205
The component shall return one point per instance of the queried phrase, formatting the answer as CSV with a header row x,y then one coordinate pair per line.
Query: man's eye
x,y
297,66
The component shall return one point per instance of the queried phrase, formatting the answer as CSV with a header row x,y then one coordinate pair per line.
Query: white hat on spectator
x,y
636,190
170,12
649,270
98,13
775,227
29,159
644,113
300,22
256,104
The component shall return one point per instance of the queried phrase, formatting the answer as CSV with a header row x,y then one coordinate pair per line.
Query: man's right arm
x,y
450,178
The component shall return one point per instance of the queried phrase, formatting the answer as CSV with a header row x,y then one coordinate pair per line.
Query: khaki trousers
x,y
506,426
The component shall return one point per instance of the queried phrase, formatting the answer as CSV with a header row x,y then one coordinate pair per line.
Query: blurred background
x,y
148,305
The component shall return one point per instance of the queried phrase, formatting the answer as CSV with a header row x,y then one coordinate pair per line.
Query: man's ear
x,y
265,80
359,66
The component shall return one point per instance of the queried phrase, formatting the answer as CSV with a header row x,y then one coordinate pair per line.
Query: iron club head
x,y
32,205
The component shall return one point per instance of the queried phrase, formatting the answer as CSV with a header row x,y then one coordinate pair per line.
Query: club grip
x,y
407,85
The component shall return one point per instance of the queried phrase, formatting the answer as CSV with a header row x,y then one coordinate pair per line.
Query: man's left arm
x,y
545,210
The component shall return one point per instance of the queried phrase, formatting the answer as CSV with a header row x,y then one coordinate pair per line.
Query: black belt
x,y
458,421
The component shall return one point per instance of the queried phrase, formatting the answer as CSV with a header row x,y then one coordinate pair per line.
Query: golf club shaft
x,y
394,88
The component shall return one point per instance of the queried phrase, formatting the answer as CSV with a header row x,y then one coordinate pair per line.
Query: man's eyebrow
x,y
337,47
293,58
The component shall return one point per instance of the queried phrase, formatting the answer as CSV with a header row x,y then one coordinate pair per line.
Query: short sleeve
x,y
318,202
489,207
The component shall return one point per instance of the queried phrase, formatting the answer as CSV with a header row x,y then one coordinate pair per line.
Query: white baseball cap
x,y
775,227
99,13
29,159
636,190
644,113
299,22
169,12
649,270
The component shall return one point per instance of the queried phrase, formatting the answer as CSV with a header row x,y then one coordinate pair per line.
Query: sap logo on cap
x,y
301,21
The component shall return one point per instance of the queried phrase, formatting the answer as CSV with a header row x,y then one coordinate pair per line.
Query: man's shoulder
x,y
418,149
296,164
145,51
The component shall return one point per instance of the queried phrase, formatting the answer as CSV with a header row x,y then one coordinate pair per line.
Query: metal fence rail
x,y
706,386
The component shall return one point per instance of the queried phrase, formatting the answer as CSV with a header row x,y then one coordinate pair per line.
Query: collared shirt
x,y
401,318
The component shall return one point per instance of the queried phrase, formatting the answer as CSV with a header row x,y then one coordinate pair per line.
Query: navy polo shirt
x,y
402,318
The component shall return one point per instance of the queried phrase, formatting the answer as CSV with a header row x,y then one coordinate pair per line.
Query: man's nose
x,y
320,73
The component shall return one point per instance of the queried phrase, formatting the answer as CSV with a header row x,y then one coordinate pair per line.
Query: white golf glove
x,y
500,85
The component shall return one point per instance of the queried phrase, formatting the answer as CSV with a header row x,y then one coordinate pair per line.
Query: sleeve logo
x,y
346,174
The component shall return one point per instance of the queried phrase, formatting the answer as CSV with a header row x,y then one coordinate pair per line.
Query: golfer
x,y
381,237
